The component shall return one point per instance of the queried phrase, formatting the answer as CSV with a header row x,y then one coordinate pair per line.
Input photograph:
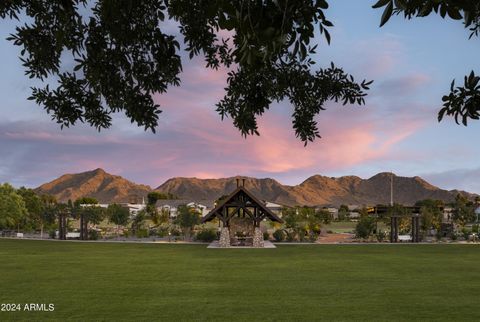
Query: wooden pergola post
x,y
62,226
83,227
394,229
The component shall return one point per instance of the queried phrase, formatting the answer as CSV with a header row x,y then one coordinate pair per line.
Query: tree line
x,y
24,210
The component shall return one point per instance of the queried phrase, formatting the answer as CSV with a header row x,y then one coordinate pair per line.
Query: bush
x,y
279,235
465,233
93,235
162,231
290,236
313,236
206,235
365,227
475,228
381,235
302,234
266,236
142,233
175,232
52,234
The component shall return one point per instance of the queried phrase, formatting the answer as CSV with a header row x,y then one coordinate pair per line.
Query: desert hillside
x,y
98,184
316,190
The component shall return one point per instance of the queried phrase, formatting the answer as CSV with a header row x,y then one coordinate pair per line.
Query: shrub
x,y
290,236
162,231
93,235
266,236
365,227
279,235
475,228
206,235
175,232
313,236
142,233
302,234
465,233
52,234
381,235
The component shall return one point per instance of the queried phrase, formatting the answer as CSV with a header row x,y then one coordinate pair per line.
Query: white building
x,y
171,205
477,212
274,207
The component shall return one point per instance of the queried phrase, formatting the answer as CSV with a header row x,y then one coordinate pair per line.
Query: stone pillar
x,y
258,238
224,237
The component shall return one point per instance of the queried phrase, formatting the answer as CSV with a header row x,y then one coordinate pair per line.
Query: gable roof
x,y
218,209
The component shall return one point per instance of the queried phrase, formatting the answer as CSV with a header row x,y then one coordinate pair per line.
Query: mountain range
x,y
316,190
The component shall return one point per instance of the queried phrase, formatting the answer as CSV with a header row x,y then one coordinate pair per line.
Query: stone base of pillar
x,y
224,237
258,238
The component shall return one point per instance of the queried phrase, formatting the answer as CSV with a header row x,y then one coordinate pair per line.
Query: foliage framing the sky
x,y
122,56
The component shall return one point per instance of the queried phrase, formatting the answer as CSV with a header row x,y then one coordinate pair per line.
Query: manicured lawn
x,y
341,226
149,282
348,226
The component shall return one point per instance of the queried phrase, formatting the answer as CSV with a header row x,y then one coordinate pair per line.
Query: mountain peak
x,y
314,191
97,184
98,171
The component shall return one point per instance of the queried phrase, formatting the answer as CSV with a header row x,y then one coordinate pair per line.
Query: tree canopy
x,y
463,102
154,196
118,215
122,55
187,219
12,206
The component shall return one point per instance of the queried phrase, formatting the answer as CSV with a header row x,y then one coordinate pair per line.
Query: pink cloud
x,y
193,141
378,56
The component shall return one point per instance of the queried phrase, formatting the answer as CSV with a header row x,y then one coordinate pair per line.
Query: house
x,y
353,211
333,211
447,214
171,206
134,208
477,212
274,207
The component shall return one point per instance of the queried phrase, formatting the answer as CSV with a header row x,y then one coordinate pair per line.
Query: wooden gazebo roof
x,y
232,201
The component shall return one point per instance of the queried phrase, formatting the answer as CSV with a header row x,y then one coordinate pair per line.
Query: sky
x,y
412,64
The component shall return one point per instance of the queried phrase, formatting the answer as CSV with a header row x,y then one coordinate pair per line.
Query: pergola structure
x,y
241,210
395,220
62,225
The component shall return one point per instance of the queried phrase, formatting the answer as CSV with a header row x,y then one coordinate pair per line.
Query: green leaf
x,y
380,4
387,14
454,13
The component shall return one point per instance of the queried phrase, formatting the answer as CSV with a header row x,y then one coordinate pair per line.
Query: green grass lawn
x,y
148,282
341,226
349,226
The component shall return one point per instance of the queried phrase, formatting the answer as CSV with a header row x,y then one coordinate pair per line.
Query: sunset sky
x,y
411,62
